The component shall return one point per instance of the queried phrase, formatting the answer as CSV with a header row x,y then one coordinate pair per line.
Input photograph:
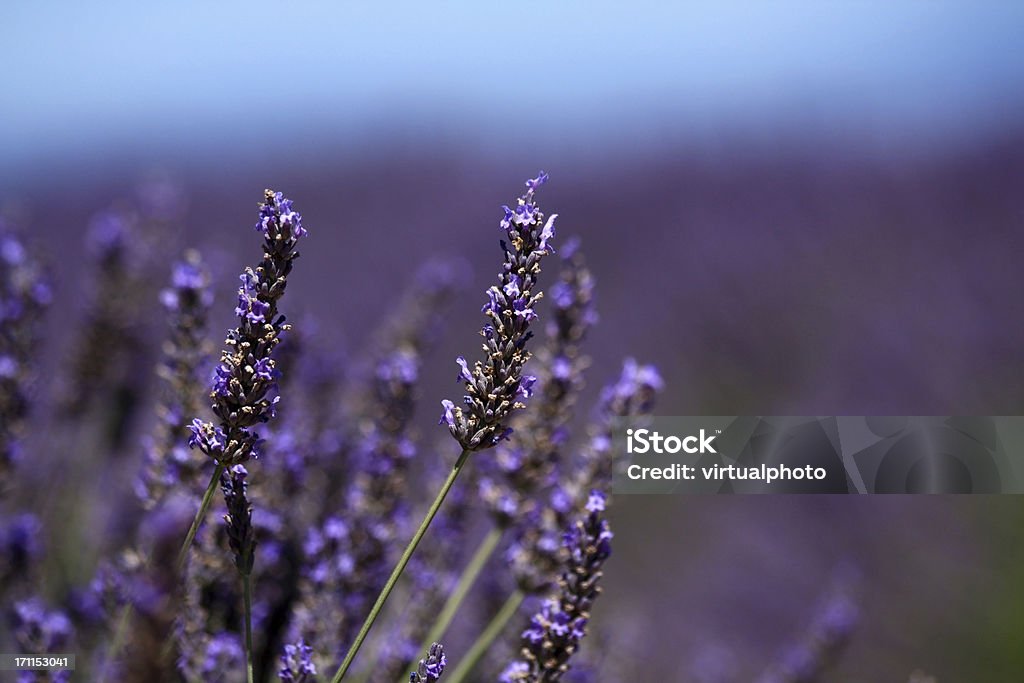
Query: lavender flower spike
x,y
494,385
556,630
246,375
241,535
187,302
24,295
431,668
298,664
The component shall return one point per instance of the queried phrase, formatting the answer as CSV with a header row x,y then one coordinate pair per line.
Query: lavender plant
x,y
242,541
25,293
530,464
495,384
556,631
242,388
431,668
340,488
167,464
298,666
246,374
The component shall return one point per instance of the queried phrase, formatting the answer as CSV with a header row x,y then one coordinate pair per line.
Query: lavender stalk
x,y
246,373
298,664
494,385
526,466
24,295
431,668
555,632
242,541
167,463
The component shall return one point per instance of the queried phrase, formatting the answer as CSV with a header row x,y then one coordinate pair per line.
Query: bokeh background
x,y
790,208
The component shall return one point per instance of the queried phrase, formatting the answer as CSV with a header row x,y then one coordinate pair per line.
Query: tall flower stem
x,y
489,634
247,592
462,588
200,514
400,567
120,632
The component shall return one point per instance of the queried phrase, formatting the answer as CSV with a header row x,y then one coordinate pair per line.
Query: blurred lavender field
x,y
771,284
837,238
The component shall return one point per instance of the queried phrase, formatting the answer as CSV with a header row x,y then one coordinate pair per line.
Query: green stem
x,y
117,640
200,514
247,591
462,588
488,636
400,567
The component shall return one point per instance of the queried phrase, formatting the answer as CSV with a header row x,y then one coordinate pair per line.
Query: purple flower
x,y
465,375
533,183
298,663
493,385
22,305
512,287
555,632
222,380
400,367
108,231
264,369
241,533
241,389
448,416
278,219
526,384
548,232
39,630
206,437
189,274
431,668
522,310
223,653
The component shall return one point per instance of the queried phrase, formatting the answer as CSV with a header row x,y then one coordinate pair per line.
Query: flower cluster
x,y
241,535
431,668
297,662
41,631
187,302
24,295
246,373
555,632
496,385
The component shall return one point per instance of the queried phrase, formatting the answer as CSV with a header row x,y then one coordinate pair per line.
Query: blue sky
x,y
88,79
